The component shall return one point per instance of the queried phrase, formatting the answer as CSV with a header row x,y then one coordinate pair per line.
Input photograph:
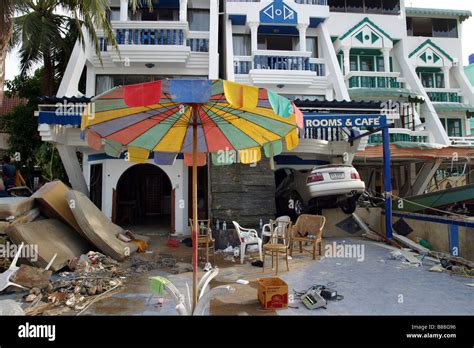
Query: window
x,y
445,28
427,79
432,27
367,63
162,14
390,7
337,5
312,46
373,6
242,45
275,42
454,127
198,20
380,63
114,14
356,6
354,63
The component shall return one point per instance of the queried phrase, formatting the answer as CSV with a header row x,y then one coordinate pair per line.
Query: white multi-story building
x,y
351,56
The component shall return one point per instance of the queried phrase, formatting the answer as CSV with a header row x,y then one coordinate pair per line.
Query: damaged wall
x,y
242,193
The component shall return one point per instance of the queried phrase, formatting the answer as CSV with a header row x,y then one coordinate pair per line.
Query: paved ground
x,y
375,286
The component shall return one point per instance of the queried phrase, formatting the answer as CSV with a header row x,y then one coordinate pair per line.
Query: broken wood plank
x,y
411,244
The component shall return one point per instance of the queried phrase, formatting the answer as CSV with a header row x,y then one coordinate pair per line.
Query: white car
x,y
322,187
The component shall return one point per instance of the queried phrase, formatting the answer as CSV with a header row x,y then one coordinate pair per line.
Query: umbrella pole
x,y
195,210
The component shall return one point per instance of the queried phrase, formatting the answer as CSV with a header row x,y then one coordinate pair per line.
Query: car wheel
x,y
349,206
297,204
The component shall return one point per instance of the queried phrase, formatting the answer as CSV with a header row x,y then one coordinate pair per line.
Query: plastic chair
x,y
5,276
280,222
247,236
308,229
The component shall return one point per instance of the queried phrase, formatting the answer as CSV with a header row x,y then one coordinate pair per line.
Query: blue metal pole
x,y
387,178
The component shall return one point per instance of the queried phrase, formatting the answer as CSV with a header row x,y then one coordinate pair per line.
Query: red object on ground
x,y
173,243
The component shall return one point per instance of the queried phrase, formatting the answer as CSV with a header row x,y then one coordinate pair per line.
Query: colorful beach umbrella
x,y
193,117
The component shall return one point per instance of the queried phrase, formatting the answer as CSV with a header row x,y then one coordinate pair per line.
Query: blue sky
x,y
468,28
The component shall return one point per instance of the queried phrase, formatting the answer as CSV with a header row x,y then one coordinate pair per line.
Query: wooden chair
x,y
306,226
205,241
279,243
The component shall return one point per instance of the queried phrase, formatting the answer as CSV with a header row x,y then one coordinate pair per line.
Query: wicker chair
x,y
308,229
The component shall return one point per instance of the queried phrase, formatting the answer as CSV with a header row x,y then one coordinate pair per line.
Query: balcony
x,y
154,42
462,141
366,79
301,2
443,95
401,135
279,67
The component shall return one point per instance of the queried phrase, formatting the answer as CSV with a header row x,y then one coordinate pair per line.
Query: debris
x,y
5,280
30,297
207,267
51,198
437,268
28,217
173,243
10,307
242,281
411,244
257,263
32,277
13,207
50,237
470,285
98,228
181,267
188,242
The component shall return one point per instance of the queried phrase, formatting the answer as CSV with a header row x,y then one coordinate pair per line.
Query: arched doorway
x,y
144,196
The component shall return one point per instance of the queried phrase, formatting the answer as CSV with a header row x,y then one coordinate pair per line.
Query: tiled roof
x,y
10,102
461,14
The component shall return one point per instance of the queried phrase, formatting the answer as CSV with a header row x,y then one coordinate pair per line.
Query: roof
x,y
365,20
54,100
461,14
10,102
376,152
469,71
432,44
339,104
450,107
383,93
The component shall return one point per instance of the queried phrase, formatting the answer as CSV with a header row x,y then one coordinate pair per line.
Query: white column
x,y
347,61
214,40
302,31
447,82
73,168
123,10
183,10
254,35
386,58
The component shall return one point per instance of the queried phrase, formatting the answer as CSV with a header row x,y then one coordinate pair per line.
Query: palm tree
x,y
40,30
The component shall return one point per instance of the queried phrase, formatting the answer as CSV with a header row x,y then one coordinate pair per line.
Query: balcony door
x,y
276,43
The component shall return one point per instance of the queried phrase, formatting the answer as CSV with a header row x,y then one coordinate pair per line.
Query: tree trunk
x,y
6,30
48,78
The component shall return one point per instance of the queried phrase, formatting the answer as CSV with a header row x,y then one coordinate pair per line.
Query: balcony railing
x,y
462,141
373,80
327,134
163,33
312,2
291,61
149,36
401,134
440,95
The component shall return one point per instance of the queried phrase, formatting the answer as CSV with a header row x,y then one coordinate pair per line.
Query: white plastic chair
x,y
280,224
6,276
247,236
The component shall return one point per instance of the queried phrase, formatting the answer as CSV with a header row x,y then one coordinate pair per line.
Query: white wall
x,y
177,173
